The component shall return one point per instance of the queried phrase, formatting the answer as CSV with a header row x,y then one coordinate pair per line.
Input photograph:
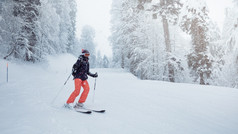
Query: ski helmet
x,y
85,52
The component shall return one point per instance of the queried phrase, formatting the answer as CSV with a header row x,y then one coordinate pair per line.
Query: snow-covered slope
x,y
133,106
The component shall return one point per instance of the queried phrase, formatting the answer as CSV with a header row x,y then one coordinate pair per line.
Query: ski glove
x,y
95,75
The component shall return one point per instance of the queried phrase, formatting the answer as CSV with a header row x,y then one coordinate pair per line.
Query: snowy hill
x,y
133,106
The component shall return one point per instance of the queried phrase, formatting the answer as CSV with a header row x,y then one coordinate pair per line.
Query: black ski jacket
x,y
81,68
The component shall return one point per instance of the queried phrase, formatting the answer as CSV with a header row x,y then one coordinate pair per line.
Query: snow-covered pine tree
x,y
216,51
102,62
30,30
230,37
105,62
66,11
121,29
142,48
99,61
168,10
87,42
72,28
117,33
140,54
49,29
129,39
25,44
155,44
195,22
9,28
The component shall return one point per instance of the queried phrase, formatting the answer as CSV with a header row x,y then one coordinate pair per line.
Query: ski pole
x,y
67,79
94,89
7,72
60,90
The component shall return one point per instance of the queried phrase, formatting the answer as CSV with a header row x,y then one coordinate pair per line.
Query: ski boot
x,y
78,105
68,105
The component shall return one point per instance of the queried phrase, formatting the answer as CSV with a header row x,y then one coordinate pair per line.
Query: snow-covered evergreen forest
x,y
176,41
167,40
32,29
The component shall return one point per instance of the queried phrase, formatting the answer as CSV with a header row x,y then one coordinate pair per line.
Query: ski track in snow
x,y
133,106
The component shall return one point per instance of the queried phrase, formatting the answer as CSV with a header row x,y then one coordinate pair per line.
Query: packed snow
x,y
30,105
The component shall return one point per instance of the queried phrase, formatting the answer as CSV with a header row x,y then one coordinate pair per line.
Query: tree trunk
x,y
168,48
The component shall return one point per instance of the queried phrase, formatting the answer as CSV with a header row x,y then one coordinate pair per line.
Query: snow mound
x,y
61,63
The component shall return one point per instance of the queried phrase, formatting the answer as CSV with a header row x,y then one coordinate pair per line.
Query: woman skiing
x,y
80,71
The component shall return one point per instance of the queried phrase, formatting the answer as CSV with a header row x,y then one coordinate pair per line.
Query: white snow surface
x,y
133,106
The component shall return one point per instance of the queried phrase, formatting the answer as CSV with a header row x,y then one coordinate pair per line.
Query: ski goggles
x,y
86,54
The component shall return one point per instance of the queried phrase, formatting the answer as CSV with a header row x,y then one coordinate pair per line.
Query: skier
x,y
80,71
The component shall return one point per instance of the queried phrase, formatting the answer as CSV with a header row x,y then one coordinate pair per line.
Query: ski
x,y
95,110
99,111
85,111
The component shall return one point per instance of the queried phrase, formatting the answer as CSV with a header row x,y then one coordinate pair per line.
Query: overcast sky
x,y
217,10
96,13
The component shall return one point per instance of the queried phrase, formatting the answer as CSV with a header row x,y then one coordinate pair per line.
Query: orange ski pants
x,y
78,83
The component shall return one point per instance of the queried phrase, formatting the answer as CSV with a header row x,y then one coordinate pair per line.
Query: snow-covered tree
x,y
102,62
139,39
87,42
25,42
174,40
195,22
32,29
99,60
230,37
216,51
105,62
168,10
9,28
72,28
119,8
129,39
66,10
49,29
137,50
